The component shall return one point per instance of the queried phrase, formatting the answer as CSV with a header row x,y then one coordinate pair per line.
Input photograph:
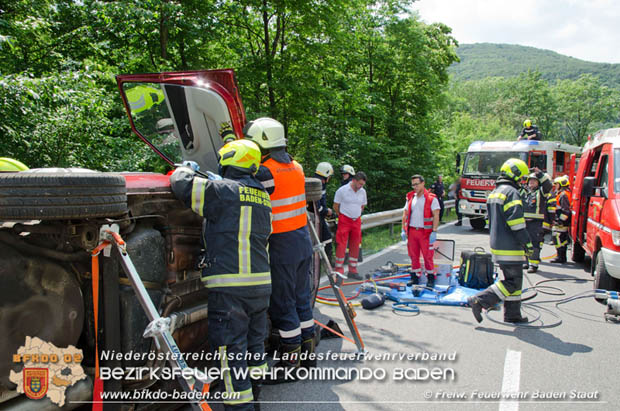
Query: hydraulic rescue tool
x,y
193,381
347,308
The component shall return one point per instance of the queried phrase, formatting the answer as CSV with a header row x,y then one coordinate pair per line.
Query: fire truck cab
x,y
483,160
595,227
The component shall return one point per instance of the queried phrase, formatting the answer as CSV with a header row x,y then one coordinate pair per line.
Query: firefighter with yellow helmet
x,y
510,244
530,131
235,271
561,218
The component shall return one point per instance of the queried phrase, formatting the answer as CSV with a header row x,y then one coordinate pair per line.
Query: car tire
x,y
61,195
602,279
578,254
314,189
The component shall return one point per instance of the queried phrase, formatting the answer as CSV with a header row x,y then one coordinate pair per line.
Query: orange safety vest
x,y
288,200
428,213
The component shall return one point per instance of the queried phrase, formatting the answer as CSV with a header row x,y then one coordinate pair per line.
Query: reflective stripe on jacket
x,y
288,199
508,235
235,231
562,212
428,213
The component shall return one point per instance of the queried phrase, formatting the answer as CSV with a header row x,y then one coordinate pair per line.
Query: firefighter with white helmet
x,y
346,172
324,171
510,243
534,196
290,247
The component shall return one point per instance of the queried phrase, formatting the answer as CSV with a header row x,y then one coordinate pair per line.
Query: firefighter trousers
x,y
507,290
237,325
560,237
290,308
350,231
536,233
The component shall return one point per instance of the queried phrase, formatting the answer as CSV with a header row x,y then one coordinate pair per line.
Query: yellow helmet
x,y
243,155
514,169
324,169
527,123
562,181
11,165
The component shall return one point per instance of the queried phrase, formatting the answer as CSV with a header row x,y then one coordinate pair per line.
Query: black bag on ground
x,y
476,269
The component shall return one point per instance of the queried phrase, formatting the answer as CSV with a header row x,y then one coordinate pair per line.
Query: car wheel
x,y
602,279
61,195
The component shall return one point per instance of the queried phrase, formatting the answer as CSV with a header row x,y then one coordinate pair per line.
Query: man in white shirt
x,y
420,222
349,203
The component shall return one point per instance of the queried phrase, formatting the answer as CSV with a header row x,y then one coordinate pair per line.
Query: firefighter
x,y
235,270
529,132
510,243
324,171
534,196
290,247
346,172
562,217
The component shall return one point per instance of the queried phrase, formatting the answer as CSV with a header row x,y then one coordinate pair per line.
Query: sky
x,y
586,29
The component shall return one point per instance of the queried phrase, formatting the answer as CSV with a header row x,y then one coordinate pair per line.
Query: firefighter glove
x,y
191,164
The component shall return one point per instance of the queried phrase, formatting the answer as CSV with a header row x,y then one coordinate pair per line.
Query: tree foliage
x,y
353,81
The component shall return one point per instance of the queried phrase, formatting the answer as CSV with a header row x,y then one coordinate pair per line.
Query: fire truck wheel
x,y
602,279
578,254
61,195
477,223
314,189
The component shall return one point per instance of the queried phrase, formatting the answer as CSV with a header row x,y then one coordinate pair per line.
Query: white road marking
x,y
510,383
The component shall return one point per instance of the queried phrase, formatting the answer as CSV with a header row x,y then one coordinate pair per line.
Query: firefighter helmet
x,y
347,169
243,155
514,169
266,132
324,169
527,123
532,175
562,181
11,165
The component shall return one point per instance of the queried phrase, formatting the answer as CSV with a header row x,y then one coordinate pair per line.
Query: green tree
x,y
585,106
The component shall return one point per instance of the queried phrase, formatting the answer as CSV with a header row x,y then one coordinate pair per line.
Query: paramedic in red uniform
x,y
420,222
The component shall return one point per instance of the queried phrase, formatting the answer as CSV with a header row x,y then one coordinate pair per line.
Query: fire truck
x,y
483,160
595,225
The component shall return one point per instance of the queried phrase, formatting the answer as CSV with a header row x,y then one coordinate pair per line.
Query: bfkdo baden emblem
x,y
35,382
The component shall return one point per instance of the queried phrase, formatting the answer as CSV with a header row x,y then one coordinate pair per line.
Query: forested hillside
x,y
482,60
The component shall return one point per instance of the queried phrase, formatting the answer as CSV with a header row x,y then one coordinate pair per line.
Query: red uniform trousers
x,y
348,230
418,243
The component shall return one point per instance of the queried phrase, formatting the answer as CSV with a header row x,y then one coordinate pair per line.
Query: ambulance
x,y
483,160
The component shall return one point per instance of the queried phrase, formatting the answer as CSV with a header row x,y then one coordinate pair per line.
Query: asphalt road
x,y
548,368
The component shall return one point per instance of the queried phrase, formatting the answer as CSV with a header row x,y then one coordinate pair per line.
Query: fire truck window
x,y
603,180
592,172
538,160
617,170
559,161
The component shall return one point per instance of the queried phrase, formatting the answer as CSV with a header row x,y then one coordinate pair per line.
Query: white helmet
x,y
266,132
347,169
324,169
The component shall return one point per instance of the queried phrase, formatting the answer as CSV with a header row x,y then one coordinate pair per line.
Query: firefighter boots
x,y
561,258
414,279
512,312
476,308
285,370
430,280
308,358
